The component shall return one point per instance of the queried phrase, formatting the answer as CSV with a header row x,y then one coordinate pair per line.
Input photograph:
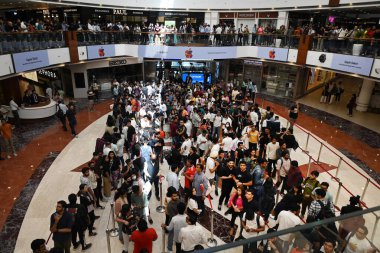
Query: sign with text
x,y
100,51
273,53
121,12
352,64
117,62
30,60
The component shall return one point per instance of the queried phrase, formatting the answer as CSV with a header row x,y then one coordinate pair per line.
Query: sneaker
x,y
9,157
87,246
216,193
14,154
219,207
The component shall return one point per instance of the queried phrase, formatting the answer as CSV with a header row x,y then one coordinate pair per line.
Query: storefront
x,y
247,18
227,18
268,19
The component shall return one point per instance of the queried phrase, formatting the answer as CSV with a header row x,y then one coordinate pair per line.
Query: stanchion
x,y
338,192
365,189
338,167
108,233
114,231
319,153
211,242
277,195
309,167
161,207
307,142
163,240
375,227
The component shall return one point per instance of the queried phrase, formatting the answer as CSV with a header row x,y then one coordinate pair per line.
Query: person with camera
x,y
129,224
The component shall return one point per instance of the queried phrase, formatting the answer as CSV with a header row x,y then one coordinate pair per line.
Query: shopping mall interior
x,y
182,126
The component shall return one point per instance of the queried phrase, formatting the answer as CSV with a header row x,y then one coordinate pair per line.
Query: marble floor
x,y
59,181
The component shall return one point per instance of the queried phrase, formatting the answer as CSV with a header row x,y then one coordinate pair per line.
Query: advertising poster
x,y
30,60
100,51
352,64
273,53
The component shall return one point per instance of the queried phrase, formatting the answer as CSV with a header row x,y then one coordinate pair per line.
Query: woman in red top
x,y
143,237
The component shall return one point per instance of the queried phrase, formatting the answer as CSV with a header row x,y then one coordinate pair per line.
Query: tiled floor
x,y
60,180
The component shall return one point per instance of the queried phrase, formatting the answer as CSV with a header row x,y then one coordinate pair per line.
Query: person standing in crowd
x,y
39,246
357,241
88,202
309,184
282,168
227,182
7,135
191,236
143,237
70,114
295,177
61,223
61,114
176,224
351,105
201,186
14,108
271,154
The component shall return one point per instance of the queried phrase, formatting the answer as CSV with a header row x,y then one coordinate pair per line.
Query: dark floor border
x,y
12,225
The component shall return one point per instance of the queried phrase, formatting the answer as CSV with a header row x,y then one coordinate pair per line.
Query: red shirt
x,y
143,240
190,172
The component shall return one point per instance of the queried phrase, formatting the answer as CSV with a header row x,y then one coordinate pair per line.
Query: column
x,y
365,94
212,18
79,80
283,19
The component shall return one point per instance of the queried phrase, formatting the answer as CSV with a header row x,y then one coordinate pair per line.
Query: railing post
x,y
108,233
161,207
338,192
337,168
163,240
114,231
309,167
277,195
365,188
375,227
307,142
211,242
320,151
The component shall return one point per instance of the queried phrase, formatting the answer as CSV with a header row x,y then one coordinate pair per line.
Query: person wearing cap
x,y
38,246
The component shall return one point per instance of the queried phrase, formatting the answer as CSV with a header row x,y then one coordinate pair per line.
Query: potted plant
x,y
358,45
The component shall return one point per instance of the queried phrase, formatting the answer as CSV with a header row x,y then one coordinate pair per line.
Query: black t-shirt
x,y
158,149
130,132
194,158
225,172
252,206
138,164
65,222
243,177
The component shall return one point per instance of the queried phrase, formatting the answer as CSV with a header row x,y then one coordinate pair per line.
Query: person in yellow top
x,y
253,137
6,133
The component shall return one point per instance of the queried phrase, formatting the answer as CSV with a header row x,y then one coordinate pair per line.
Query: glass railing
x,y
25,41
368,47
352,232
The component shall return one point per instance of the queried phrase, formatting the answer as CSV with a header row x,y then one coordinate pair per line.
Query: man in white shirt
x,y
189,127
217,123
211,165
202,142
282,168
191,235
271,154
176,224
227,143
172,178
357,241
254,117
185,147
285,220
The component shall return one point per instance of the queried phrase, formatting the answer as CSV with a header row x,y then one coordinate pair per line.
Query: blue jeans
x,y
170,240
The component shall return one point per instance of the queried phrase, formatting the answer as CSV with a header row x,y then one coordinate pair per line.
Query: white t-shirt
x,y
215,148
210,164
186,145
217,121
254,117
202,142
287,219
252,224
284,168
357,246
188,126
227,144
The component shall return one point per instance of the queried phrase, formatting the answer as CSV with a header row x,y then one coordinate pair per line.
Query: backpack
x,y
325,211
59,113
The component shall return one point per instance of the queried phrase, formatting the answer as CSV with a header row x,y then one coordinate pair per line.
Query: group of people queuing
x,y
226,148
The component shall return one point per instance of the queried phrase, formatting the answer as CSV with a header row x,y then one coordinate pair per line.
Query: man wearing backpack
x,y
80,222
308,185
320,208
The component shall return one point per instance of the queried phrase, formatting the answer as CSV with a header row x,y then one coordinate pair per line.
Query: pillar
x,y
283,19
79,79
212,18
365,94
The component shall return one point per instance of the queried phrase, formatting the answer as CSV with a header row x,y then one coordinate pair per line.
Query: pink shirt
x,y
239,201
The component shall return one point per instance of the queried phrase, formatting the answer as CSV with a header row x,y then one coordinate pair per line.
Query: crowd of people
x,y
330,38
225,147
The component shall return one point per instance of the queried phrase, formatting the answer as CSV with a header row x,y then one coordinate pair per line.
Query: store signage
x,y
376,69
100,51
6,65
30,60
120,12
252,62
268,14
293,55
321,59
105,11
182,14
136,13
246,15
70,10
117,62
48,73
353,64
227,15
273,53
